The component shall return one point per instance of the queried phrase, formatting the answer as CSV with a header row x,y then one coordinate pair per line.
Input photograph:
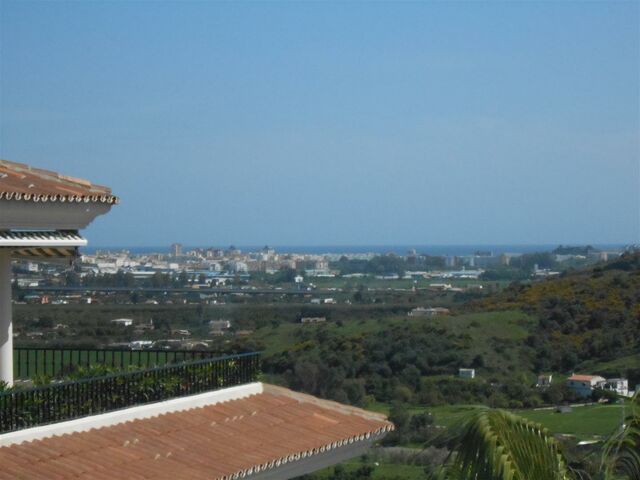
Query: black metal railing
x,y
23,408
57,362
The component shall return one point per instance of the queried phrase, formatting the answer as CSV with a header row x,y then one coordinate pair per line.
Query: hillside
x,y
586,320
403,359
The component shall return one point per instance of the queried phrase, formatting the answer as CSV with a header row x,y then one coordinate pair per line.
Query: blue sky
x,y
333,123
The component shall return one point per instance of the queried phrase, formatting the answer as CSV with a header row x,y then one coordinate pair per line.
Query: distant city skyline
x,y
438,250
317,124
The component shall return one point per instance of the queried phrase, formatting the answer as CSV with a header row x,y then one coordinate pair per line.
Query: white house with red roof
x,y
584,385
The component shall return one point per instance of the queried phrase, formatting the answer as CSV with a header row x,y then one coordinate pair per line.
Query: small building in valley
x,y
123,322
428,312
584,385
313,319
544,380
218,327
467,372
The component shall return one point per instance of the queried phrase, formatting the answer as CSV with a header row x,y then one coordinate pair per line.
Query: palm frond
x,y
498,445
621,454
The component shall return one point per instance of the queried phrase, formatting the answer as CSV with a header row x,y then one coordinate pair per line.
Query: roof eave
x,y
23,215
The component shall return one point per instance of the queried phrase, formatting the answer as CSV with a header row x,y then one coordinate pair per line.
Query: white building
x,y
473,274
238,267
544,380
140,344
583,385
467,372
32,267
123,322
617,385
176,249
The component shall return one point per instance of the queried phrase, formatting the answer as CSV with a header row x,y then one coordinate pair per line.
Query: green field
x,y
588,422
584,422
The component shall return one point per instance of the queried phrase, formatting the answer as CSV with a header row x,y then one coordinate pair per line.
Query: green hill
x,y
586,320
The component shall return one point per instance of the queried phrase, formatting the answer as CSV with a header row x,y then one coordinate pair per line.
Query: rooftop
x,y
583,378
22,182
259,431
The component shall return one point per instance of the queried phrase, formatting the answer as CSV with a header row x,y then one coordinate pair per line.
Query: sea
x,y
440,250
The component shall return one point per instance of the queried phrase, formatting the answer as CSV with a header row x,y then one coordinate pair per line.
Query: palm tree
x,y
622,451
498,445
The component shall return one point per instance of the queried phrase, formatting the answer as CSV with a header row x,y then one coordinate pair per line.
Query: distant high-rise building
x,y
176,249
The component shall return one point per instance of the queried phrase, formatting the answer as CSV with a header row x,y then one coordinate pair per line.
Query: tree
x,y
183,278
478,361
72,279
45,322
135,297
286,275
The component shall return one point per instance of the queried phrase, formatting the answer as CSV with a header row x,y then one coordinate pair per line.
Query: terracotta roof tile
x,y
583,378
22,182
215,441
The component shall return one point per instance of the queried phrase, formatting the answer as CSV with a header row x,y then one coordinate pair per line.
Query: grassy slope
x,y
507,325
497,336
620,364
284,336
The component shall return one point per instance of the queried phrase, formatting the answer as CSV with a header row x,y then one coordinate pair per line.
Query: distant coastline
x,y
448,250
